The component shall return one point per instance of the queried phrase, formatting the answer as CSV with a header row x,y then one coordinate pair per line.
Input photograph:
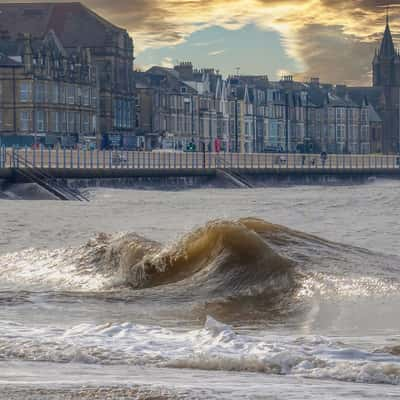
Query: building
x,y
386,77
181,106
176,113
48,94
79,29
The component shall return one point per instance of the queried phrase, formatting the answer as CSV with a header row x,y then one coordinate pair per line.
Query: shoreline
x,y
86,393
20,190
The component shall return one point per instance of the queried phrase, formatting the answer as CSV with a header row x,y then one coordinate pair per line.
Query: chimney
x,y
185,70
314,81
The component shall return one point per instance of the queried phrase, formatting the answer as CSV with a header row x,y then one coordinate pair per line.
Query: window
x,y
340,133
71,122
1,119
63,118
24,117
94,123
63,94
55,93
340,115
94,97
39,92
40,121
71,95
77,122
364,116
56,121
86,96
25,91
85,123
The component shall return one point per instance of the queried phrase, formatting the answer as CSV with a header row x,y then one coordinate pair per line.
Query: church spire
x,y
387,16
387,49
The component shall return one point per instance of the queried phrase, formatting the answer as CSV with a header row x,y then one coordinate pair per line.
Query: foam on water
x,y
215,347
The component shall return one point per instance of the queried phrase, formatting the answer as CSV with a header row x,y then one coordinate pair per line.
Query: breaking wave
x,y
247,261
224,254
214,347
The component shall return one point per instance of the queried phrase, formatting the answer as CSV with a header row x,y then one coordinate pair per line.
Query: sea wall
x,y
180,179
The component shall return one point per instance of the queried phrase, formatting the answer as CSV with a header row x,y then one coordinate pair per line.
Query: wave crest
x,y
223,255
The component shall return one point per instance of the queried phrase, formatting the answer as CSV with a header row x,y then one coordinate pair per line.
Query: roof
x,y
387,47
373,115
6,61
370,94
74,24
165,78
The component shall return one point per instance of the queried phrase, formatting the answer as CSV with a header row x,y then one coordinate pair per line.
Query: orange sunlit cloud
x,y
333,39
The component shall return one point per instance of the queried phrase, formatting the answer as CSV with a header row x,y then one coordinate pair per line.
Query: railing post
x,y
71,159
57,157
49,156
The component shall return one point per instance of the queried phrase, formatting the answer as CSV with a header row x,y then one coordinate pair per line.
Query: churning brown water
x,y
202,294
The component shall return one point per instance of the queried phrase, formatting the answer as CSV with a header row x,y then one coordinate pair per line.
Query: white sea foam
x,y
215,347
50,269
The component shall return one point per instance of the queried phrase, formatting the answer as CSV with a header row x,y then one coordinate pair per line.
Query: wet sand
x,y
87,393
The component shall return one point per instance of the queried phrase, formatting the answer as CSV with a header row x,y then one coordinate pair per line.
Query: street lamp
x,y
236,123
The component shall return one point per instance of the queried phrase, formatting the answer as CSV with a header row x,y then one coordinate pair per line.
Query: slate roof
x,y
373,115
74,24
6,61
387,49
165,78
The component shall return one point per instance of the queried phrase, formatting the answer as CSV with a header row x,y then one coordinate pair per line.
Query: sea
x,y
267,293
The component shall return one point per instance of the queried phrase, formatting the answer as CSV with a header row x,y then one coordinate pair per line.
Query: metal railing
x,y
59,158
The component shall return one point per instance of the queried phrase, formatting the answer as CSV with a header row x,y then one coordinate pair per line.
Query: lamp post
x,y
236,126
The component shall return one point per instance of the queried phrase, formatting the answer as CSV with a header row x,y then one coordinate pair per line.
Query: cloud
x,y
330,38
216,52
167,62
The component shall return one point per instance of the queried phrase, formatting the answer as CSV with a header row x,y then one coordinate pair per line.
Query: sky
x,y
334,40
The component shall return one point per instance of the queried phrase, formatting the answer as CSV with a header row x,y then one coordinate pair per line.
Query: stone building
x,y
386,77
248,114
79,29
175,113
48,94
